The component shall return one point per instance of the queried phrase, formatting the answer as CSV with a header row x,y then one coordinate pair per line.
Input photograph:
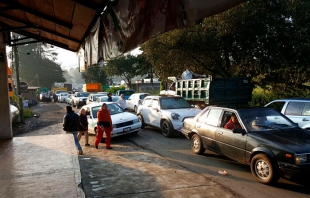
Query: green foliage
x,y
28,113
95,74
15,101
113,89
127,67
38,66
266,40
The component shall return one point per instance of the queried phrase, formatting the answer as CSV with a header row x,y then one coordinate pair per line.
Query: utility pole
x,y
21,106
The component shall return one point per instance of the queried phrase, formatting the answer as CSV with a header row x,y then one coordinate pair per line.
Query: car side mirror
x,y
242,131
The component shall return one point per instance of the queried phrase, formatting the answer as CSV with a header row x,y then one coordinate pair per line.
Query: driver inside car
x,y
233,123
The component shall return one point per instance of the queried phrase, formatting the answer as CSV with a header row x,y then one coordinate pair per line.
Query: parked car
x,y
68,99
135,100
79,99
165,113
126,93
62,97
14,113
93,97
123,122
105,99
296,109
269,142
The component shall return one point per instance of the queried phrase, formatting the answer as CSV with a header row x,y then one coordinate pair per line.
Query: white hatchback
x,y
135,100
123,122
166,113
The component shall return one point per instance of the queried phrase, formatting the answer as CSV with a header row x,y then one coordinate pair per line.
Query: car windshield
x,y
262,119
113,108
174,103
82,94
96,96
105,98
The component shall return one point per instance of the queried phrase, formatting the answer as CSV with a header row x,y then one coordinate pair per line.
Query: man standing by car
x,y
83,126
70,125
122,102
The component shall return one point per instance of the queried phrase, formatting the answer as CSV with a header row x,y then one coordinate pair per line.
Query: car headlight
x,y
136,120
80,99
175,116
300,159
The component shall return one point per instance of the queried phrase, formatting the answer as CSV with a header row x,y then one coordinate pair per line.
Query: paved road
x,y
149,162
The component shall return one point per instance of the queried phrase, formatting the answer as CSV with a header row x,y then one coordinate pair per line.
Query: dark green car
x,y
265,139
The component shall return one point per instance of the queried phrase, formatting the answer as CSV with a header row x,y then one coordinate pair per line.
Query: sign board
x,y
23,86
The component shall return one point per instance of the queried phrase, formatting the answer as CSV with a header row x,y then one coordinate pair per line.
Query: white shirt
x,y
25,103
122,103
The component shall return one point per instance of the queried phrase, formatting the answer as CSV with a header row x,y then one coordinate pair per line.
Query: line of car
x,y
269,141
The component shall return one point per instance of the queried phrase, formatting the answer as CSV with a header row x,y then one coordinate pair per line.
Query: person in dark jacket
x,y
110,97
83,126
70,125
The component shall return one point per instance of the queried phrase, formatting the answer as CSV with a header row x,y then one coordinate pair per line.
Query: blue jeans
x,y
76,140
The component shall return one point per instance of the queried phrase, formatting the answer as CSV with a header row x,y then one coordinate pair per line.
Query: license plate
x,y
127,129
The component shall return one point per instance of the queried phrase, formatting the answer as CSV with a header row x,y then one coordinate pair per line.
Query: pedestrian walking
x,y
122,102
83,126
104,125
25,103
110,97
70,125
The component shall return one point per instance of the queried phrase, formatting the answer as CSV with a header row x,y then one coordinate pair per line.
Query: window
x,y
147,102
213,117
277,105
155,103
203,117
306,110
294,108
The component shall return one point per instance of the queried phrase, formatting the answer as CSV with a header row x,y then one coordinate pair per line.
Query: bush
x,y
28,113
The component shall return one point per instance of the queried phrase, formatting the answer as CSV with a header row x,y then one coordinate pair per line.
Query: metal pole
x,y
21,106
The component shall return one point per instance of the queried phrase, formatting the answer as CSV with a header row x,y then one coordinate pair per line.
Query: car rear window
x,y
294,108
277,105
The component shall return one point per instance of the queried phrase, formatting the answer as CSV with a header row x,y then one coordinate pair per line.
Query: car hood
x,y
296,140
186,112
123,117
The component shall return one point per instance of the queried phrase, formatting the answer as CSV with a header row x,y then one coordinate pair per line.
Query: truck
x,y
92,87
68,86
210,90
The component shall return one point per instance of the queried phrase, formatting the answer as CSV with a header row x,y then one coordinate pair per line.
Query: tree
x,y
126,67
37,66
95,74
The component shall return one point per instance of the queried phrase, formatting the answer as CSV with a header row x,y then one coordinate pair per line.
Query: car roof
x,y
292,99
98,104
163,97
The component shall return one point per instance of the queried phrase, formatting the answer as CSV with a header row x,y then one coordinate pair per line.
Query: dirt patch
x,y
46,114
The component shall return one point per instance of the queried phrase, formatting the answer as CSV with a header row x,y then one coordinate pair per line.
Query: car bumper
x,y
125,130
81,103
290,170
177,125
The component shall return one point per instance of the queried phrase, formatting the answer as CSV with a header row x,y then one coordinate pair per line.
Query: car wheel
x,y
196,145
142,121
263,169
136,109
167,129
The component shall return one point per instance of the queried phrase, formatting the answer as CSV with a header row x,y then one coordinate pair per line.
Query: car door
x,y
130,101
229,143
206,126
298,112
155,113
145,110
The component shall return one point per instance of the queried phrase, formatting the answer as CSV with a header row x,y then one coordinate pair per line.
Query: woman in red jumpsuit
x,y
104,124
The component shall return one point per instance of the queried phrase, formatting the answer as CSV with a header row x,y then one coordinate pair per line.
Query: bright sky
x,y
66,58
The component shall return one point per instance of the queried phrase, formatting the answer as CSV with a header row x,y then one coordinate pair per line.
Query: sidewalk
x,y
39,166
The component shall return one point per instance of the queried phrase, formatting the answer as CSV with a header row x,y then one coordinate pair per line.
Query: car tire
x,y
135,109
142,121
196,145
264,170
167,129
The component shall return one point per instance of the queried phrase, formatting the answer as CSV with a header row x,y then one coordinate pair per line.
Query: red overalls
x,y
104,116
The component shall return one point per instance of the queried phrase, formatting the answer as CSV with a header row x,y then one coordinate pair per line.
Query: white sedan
x,y
123,122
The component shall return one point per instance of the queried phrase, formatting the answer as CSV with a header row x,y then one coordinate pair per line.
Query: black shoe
x,y
87,144
109,148
96,147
